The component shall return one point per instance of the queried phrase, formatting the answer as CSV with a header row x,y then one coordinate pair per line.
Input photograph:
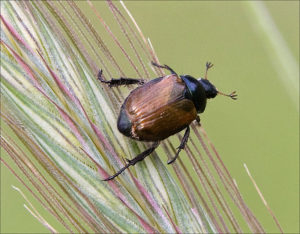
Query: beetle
x,y
162,107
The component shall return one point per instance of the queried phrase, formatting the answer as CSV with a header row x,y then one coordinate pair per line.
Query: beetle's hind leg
x,y
165,67
120,81
133,161
182,144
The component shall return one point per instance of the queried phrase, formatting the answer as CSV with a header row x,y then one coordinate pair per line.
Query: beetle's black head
x,y
210,89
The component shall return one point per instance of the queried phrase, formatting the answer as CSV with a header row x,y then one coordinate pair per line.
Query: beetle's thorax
x,y
195,92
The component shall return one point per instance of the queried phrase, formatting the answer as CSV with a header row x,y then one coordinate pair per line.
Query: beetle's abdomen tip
x,y
124,123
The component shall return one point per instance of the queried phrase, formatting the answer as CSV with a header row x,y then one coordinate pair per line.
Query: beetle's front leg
x,y
165,67
120,81
182,144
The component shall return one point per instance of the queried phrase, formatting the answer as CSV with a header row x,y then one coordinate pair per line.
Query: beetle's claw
x,y
141,82
128,160
198,120
155,64
100,78
99,75
108,178
171,160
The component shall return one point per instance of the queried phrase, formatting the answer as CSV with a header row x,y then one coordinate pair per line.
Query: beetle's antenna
x,y
208,65
232,95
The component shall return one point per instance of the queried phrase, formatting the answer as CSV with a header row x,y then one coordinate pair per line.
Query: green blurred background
x,y
261,129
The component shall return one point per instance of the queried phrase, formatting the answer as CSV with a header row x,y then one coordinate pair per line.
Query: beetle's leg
x,y
165,67
208,65
182,144
133,161
198,120
120,81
